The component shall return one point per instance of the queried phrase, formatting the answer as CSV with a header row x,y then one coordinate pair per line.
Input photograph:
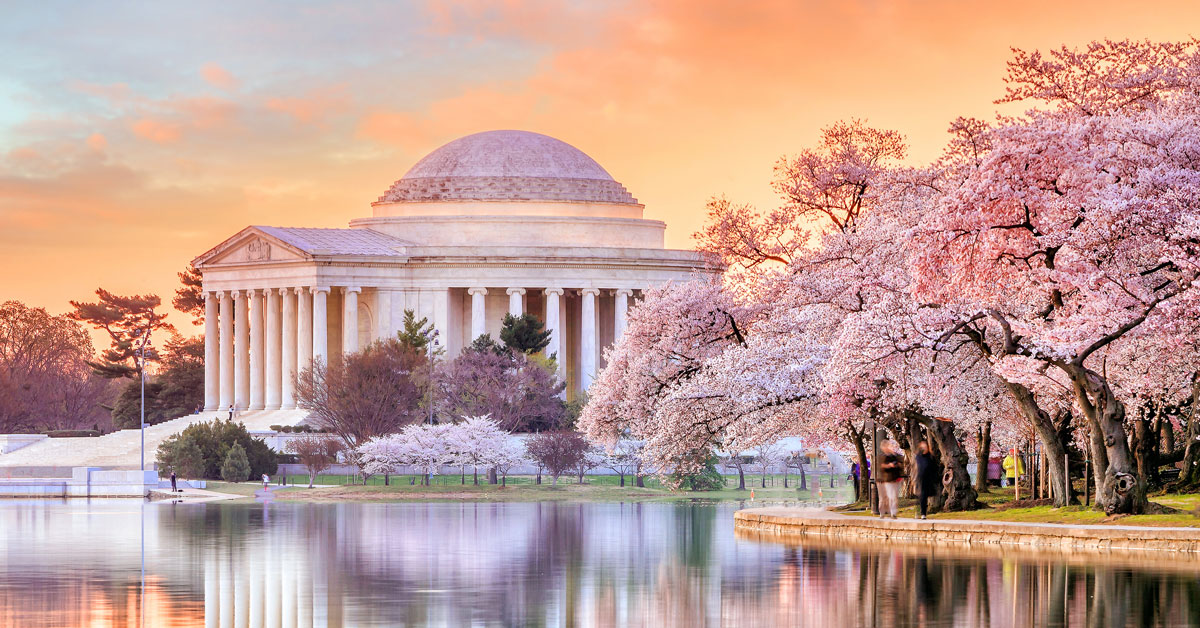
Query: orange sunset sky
x,y
137,136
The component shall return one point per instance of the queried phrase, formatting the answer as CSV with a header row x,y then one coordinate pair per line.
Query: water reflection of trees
x,y
882,587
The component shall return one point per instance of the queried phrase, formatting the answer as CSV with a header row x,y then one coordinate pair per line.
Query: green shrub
x,y
707,479
213,440
236,467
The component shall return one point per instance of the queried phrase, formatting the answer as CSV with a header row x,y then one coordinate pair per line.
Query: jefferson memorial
x,y
489,224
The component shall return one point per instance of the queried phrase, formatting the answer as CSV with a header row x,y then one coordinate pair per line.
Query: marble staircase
x,y
120,450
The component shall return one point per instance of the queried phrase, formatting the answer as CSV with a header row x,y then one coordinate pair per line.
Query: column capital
x,y
316,289
592,291
237,294
299,290
623,291
283,292
475,291
554,291
349,289
512,291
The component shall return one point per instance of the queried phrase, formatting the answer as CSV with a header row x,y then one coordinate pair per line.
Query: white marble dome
x,y
507,166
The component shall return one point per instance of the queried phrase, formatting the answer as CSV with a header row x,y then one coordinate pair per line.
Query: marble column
x,y
620,312
241,350
212,607
516,301
257,363
588,338
555,327
274,366
478,313
225,603
287,399
383,315
212,373
226,368
304,328
320,329
350,319
441,316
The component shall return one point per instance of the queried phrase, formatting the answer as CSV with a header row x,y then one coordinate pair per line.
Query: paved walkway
x,y
190,494
802,522
267,494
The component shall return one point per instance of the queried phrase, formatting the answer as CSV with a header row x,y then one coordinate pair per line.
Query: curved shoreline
x,y
796,525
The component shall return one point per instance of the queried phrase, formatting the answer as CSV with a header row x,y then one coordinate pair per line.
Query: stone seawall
x,y
798,525
84,482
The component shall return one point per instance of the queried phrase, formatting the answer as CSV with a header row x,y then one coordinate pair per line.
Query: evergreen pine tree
x,y
236,467
416,333
524,333
485,344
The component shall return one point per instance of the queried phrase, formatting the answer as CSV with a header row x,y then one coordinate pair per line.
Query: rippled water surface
x,y
80,563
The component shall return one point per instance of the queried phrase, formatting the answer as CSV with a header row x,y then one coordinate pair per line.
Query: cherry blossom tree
x,y
475,439
505,455
1078,225
424,447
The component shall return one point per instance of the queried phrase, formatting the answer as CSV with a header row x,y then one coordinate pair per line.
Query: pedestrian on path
x,y
231,412
266,480
854,478
891,472
926,476
173,490
1013,467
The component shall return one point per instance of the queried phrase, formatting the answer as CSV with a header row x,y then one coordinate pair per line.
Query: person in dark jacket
x,y
891,473
927,473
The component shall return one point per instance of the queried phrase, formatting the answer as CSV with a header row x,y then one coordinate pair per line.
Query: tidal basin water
x,y
125,563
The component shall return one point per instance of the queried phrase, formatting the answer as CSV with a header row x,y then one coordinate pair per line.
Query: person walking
x,y
231,412
266,480
173,489
926,476
891,472
1013,467
854,477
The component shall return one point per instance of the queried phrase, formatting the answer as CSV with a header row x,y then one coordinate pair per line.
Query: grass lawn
x,y
1179,510
523,488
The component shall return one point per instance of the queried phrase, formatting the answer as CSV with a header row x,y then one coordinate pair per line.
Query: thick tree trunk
x,y
860,450
1043,425
1121,492
741,479
804,479
983,457
622,479
1191,447
640,482
1166,436
957,491
1141,450
906,434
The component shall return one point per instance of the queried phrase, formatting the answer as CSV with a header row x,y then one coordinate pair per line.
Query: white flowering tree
x,y
474,441
506,454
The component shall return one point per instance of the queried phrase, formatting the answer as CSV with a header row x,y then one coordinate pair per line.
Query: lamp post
x,y
145,340
431,338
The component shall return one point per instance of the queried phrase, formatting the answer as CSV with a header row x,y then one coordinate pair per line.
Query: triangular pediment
x,y
250,246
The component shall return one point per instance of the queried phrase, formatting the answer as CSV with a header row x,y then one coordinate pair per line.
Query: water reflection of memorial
x,y
551,564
